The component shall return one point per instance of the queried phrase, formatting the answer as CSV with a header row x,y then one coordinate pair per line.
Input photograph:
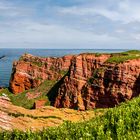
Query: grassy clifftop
x,y
124,56
119,123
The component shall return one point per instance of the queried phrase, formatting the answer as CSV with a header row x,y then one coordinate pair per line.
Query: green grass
x,y
39,64
19,99
119,123
124,56
34,61
45,86
96,54
22,100
96,75
5,91
63,72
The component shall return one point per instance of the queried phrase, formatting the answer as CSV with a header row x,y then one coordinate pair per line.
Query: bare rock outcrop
x,y
98,85
30,71
85,81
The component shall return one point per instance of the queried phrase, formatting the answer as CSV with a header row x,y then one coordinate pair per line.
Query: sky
x,y
70,24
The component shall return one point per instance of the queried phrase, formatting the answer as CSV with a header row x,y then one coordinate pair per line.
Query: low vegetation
x,y
63,72
119,123
38,63
16,115
96,75
22,99
124,56
95,54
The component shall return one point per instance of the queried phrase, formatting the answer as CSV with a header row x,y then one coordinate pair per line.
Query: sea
x,y
14,54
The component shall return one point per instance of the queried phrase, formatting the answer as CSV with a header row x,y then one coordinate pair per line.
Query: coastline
x,y
14,54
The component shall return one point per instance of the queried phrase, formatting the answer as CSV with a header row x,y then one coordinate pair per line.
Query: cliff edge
x,y
84,81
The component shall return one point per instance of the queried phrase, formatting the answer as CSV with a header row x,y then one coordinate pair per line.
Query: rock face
x,y
40,103
81,70
89,81
31,71
95,84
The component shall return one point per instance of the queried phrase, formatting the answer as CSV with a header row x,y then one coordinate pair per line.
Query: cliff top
x,y
124,56
113,57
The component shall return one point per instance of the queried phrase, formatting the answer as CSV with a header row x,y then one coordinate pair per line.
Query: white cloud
x,y
136,36
88,24
120,31
36,32
125,10
10,10
90,11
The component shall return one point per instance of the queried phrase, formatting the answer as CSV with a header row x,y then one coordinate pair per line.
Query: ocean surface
x,y
14,54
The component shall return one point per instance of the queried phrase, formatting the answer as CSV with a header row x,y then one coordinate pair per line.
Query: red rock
x,y
110,83
90,82
31,71
39,103
33,95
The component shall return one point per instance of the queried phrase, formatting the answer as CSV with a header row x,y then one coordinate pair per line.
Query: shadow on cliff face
x,y
111,99
105,96
101,96
53,93
107,93
136,88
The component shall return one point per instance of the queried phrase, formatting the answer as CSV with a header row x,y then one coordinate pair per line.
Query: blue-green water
x,y
14,54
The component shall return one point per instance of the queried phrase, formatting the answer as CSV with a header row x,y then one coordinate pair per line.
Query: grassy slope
x,y
119,57
119,123
14,117
124,56
21,99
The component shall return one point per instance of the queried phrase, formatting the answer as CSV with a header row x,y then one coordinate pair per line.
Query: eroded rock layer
x,y
30,71
87,80
99,85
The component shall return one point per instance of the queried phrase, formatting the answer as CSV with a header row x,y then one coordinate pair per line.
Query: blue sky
x,y
70,24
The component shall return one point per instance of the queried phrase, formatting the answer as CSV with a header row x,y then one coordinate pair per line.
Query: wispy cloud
x,y
124,10
10,10
71,23
31,32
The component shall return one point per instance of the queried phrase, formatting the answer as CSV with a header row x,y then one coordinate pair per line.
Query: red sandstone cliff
x,y
82,68
30,71
96,85
90,82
